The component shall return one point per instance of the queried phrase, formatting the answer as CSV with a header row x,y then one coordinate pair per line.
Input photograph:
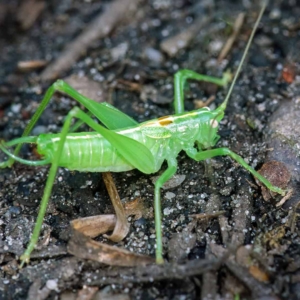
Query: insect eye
x,y
213,123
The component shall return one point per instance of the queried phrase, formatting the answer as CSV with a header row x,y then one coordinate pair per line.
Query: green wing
x,y
133,151
110,116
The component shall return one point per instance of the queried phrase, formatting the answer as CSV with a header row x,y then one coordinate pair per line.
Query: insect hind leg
x,y
109,115
48,188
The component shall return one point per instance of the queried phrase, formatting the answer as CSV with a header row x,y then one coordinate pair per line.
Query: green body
x,y
123,144
164,137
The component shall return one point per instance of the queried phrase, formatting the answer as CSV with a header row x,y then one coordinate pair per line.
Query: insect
x,y
122,144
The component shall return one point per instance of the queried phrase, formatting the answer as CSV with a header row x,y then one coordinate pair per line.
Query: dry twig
x,y
236,30
117,12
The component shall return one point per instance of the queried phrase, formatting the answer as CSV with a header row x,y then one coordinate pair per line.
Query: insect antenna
x,y
224,104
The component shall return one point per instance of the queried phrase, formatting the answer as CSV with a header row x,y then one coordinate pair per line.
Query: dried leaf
x,y
289,72
135,207
277,173
27,66
95,225
84,247
122,226
258,273
236,30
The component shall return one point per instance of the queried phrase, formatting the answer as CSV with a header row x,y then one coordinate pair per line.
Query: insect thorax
x,y
199,126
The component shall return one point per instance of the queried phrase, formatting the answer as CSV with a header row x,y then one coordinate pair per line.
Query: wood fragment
x,y
49,252
239,217
292,26
117,12
285,198
153,273
95,225
122,226
30,65
257,288
236,30
84,247
29,11
205,216
293,219
100,224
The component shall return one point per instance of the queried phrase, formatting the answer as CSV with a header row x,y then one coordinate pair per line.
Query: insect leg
x,y
136,154
106,113
47,191
225,151
110,116
182,76
168,173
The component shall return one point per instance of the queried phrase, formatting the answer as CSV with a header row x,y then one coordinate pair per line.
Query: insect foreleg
x,y
182,76
168,173
202,155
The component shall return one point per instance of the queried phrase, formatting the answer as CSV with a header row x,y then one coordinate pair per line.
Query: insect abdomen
x,y
88,152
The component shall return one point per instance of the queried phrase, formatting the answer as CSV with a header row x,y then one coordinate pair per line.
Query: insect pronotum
x,y
125,145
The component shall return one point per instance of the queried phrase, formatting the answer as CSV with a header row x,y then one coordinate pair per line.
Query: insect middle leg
x,y
168,173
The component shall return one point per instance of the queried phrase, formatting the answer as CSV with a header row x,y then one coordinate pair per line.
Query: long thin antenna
x,y
224,104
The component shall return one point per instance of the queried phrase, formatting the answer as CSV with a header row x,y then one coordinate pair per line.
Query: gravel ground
x,y
247,248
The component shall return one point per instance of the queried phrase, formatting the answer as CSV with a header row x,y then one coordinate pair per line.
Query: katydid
x,y
123,144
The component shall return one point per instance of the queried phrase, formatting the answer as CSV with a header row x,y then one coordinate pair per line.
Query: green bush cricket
x,y
123,144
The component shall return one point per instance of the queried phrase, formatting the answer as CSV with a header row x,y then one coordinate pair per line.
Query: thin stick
x,y
122,227
236,30
102,26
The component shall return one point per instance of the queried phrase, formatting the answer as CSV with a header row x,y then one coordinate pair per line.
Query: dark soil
x,y
206,259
